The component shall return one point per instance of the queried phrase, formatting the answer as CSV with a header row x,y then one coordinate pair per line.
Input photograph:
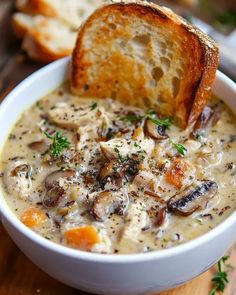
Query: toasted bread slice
x,y
22,23
45,39
73,12
145,55
36,7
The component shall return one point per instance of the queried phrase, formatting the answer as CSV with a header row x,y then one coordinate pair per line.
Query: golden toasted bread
x,y
73,12
45,39
145,55
36,7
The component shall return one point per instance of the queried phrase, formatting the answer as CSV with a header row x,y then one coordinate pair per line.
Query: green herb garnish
x,y
39,105
132,118
119,155
224,21
93,106
165,122
137,145
59,143
220,279
181,149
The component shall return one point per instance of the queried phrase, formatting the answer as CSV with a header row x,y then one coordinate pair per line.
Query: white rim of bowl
x,y
7,214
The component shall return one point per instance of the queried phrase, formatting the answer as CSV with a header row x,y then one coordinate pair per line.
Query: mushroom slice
x,y
54,190
53,196
109,202
193,199
53,178
109,169
202,121
155,131
17,179
22,170
115,172
39,146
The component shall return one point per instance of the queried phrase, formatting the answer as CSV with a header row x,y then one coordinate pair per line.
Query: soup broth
x,y
104,177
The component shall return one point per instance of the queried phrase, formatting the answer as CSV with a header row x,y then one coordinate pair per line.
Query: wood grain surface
x,y
18,275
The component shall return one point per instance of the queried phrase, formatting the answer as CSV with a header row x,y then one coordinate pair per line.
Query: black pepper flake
x,y
178,236
15,158
229,166
223,210
207,215
232,138
12,137
25,132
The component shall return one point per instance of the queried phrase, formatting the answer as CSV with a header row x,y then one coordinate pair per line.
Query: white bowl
x,y
109,274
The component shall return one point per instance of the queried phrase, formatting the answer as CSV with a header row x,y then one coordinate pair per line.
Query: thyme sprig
x,y
133,118
165,122
181,149
220,279
93,106
59,143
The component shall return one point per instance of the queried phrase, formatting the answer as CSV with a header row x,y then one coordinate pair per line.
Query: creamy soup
x,y
103,177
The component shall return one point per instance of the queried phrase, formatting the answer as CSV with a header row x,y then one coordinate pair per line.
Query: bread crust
x,y
36,7
39,39
19,28
38,51
202,52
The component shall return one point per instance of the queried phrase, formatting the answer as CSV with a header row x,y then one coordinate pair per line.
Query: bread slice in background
x,y
48,27
45,39
22,23
73,12
43,7
145,55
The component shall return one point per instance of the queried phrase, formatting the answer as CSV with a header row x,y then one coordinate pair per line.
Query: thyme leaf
x,y
220,279
59,143
165,122
93,106
181,149
133,118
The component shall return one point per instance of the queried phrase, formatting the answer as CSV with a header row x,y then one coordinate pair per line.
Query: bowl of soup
x,y
110,198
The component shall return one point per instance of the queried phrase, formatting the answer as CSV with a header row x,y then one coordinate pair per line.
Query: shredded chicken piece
x,y
70,116
17,179
121,148
135,220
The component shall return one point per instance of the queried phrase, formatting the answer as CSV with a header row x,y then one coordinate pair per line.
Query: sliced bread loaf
x,y
43,7
72,12
145,55
45,39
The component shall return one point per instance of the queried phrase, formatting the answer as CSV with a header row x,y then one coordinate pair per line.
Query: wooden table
x,y
19,276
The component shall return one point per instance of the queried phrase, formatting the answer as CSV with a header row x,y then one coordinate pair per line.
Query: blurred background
x,y
215,17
